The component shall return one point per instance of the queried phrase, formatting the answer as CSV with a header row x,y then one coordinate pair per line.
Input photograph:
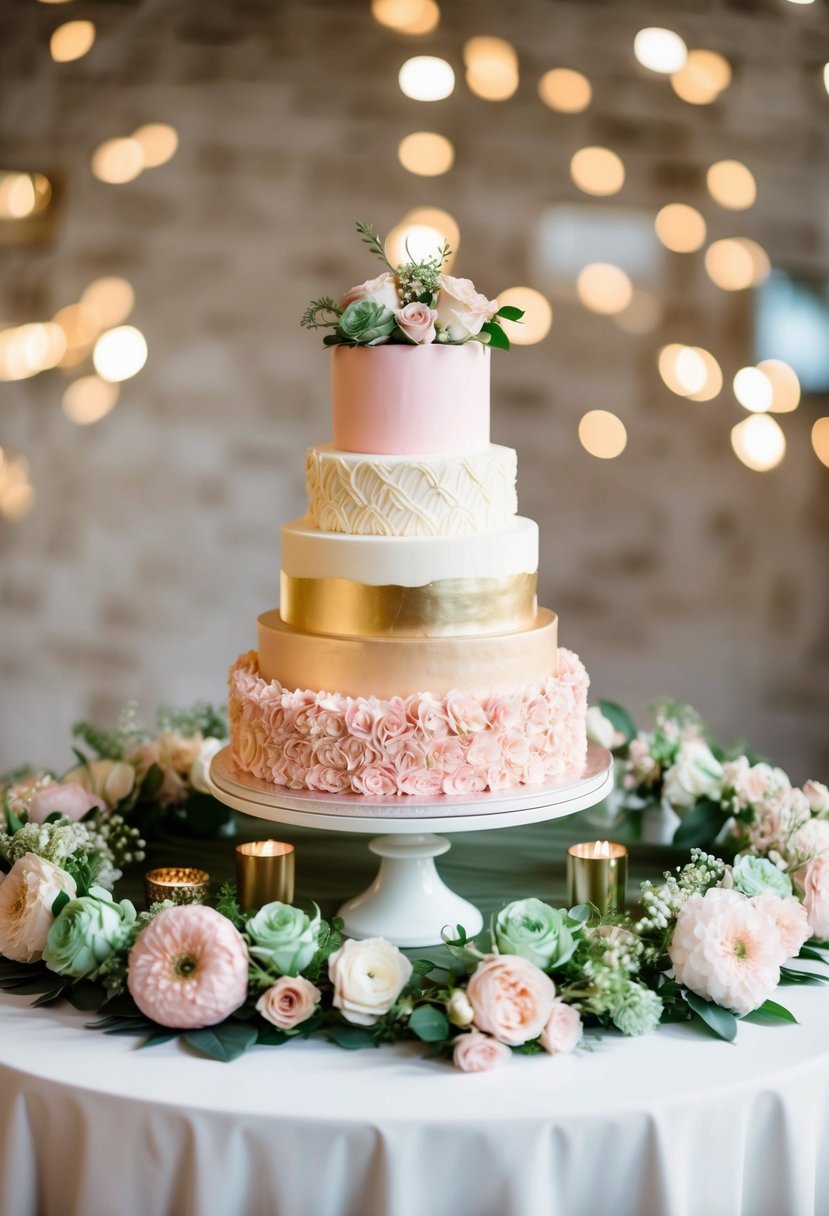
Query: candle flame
x,y
601,848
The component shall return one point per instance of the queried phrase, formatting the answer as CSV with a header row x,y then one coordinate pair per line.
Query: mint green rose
x,y
284,937
754,875
87,932
636,1010
535,931
366,323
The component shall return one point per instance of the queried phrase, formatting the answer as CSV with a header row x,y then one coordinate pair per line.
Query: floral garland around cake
x,y
709,945
414,303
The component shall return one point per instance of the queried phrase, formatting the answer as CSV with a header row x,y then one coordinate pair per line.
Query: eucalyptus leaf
x,y
224,1042
721,1021
353,1038
429,1024
270,1036
158,1037
581,913
48,998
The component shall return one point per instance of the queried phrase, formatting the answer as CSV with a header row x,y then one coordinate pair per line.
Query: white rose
x,y
382,290
462,310
199,775
599,728
818,797
696,773
368,977
458,1009
26,896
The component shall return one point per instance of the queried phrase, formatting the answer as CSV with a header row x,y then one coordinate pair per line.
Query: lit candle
x,y
597,874
264,873
180,884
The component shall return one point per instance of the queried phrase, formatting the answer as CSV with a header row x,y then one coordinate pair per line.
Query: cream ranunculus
x,y
461,310
599,728
112,780
26,896
199,775
382,290
368,977
696,773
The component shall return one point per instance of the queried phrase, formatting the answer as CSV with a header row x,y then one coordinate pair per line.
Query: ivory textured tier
x,y
409,655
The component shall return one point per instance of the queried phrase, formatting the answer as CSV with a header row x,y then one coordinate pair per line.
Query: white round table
x,y
675,1124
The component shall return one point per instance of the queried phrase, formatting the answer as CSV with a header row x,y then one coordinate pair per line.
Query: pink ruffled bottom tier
x,y
419,745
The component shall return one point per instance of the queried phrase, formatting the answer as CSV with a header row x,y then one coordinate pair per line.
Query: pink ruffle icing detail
x,y
417,745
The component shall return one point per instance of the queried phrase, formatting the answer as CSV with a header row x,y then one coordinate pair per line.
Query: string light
x,y
784,383
426,78
690,371
116,161
158,142
820,440
702,78
753,390
602,434
407,16
23,194
537,319
109,300
759,442
120,353
424,230
680,228
426,153
736,263
72,40
604,288
597,171
491,68
731,184
564,90
89,399
660,50
26,350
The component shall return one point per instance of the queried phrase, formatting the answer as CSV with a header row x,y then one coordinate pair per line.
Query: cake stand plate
x,y
408,903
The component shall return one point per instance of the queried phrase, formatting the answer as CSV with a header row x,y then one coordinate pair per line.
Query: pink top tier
x,y
410,400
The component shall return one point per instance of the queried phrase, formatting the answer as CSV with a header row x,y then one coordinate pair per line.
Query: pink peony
x,y
726,949
188,968
511,997
476,1052
791,920
376,781
69,799
289,1002
466,714
814,881
417,322
563,1031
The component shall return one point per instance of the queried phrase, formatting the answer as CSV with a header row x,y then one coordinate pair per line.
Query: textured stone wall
x,y
153,542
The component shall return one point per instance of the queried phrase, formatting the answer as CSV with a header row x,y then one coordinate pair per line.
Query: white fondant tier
x,y
400,666
369,495
410,561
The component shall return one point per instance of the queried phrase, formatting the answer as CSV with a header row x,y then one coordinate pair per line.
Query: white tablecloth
x,y
674,1124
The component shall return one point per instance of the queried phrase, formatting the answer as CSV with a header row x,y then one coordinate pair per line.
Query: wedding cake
x,y
409,655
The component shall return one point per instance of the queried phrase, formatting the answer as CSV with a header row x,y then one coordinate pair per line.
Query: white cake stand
x,y
408,903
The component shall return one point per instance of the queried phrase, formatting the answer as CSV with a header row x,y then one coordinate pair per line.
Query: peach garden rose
x,y
476,1052
511,998
27,893
417,321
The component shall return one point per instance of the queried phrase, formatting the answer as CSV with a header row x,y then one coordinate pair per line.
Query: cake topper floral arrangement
x,y
414,303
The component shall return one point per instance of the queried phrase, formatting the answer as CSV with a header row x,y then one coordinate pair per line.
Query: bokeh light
x,y
426,153
16,492
736,263
564,90
680,228
426,78
26,350
759,442
116,161
23,194
537,319
120,353
597,171
702,78
602,434
109,300
690,371
660,50
72,40
424,229
604,288
642,315
820,440
89,399
753,390
80,327
407,16
491,68
731,184
784,383
158,142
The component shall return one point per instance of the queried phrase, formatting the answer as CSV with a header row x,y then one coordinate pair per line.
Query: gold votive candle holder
x,y
179,884
264,873
597,873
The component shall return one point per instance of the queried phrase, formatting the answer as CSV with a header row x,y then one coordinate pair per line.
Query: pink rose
x,y
248,747
426,713
330,723
410,755
817,795
70,800
289,1002
511,997
815,883
499,777
484,751
791,919
563,1031
359,719
358,752
417,322
298,753
515,749
422,782
537,715
476,1052
329,753
466,714
391,724
329,780
305,721
461,309
463,780
298,699
376,781
382,290
503,712
446,755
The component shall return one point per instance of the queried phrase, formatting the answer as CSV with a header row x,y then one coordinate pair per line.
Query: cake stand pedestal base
x,y
408,902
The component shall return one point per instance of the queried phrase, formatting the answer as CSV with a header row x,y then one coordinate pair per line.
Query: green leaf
x,y
799,975
352,1038
270,1036
48,998
224,1042
721,1021
701,825
86,996
621,719
497,337
13,822
770,1012
59,903
152,783
158,1037
429,1024
510,313
815,956
422,966
581,913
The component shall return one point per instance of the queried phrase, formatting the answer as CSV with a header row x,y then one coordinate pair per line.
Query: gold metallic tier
x,y
450,607
398,666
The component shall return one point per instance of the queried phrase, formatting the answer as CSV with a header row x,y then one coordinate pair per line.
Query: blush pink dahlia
x,y
188,968
726,949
